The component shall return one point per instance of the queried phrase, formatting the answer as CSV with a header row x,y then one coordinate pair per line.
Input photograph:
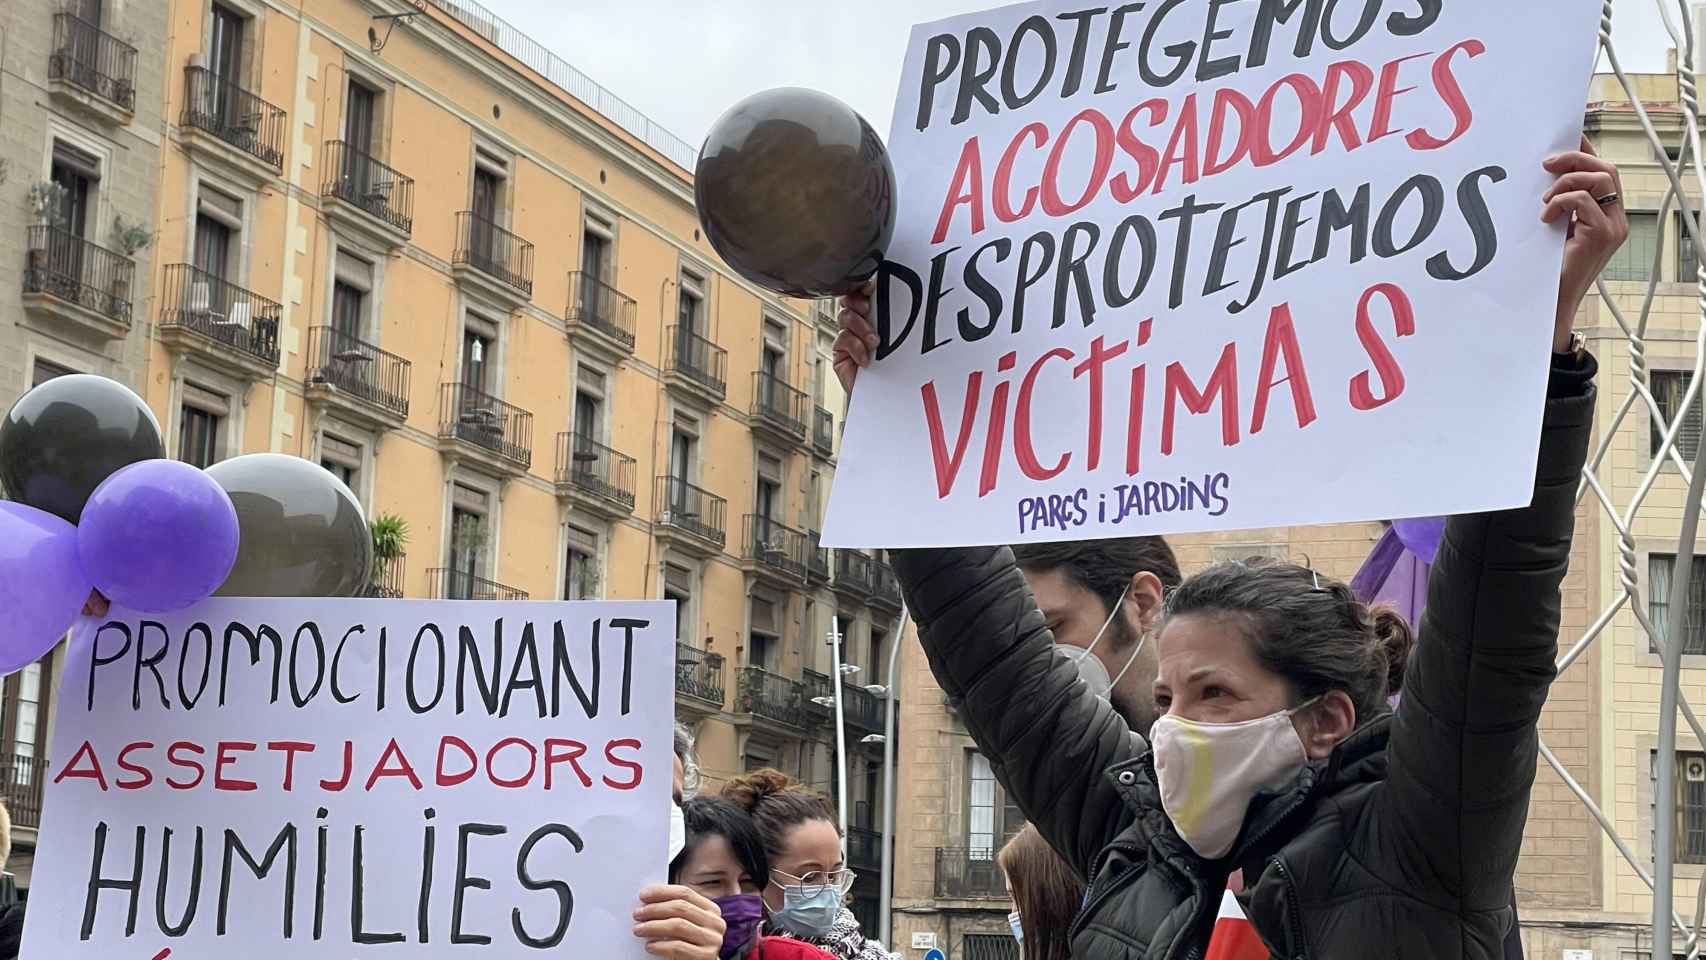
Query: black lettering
x,y
975,73
1408,25
562,666
357,928
438,686
1080,47
182,927
1181,52
933,298
1289,227
1370,11
1043,31
527,654
337,660
97,883
1044,242
1139,226
565,896
1335,216
1211,69
428,841
941,57
889,340
464,883
1473,204
313,630
1433,207
1186,212
1274,12
468,649
1264,251
285,841
96,661
627,626
1072,272
1113,45
253,638
184,697
981,288
149,661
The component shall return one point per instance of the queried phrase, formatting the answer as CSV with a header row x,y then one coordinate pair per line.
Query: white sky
x,y
682,62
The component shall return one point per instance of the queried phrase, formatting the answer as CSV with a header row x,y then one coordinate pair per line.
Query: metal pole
x,y
840,732
885,919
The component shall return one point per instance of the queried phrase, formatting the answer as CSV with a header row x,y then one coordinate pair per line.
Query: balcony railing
x,y
885,587
602,307
698,674
85,56
864,847
476,417
968,875
359,369
861,708
777,403
823,431
494,251
772,696
224,312
775,545
853,572
387,578
20,786
599,470
363,182
448,584
224,110
690,508
75,270
817,688
697,359
817,557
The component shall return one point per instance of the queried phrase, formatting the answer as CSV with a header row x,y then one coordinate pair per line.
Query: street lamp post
x,y
840,731
885,920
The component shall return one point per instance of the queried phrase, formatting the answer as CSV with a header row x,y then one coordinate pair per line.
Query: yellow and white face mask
x,y
1209,772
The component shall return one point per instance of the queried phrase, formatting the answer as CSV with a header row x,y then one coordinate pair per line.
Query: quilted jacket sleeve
x,y
1463,748
1046,736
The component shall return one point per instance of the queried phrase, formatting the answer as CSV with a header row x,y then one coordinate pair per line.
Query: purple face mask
x,y
742,914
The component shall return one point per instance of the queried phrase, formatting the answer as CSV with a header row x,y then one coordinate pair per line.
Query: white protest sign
x,y
357,778
1177,266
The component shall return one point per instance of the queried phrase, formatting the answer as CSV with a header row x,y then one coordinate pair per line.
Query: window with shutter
x,y
1634,260
678,586
1669,389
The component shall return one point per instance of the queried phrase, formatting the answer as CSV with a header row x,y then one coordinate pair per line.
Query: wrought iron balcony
x,y
775,546
387,579
92,60
817,689
885,587
482,420
853,573
234,116
699,674
357,369
692,510
861,708
70,268
864,848
448,584
968,875
778,406
697,361
225,317
772,697
369,186
21,787
592,468
817,558
495,252
599,307
823,431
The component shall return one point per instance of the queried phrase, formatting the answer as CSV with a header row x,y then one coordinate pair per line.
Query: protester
x,y
724,862
1046,896
1276,754
677,922
686,775
808,879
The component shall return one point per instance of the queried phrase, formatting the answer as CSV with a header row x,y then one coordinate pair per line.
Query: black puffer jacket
x,y
1401,845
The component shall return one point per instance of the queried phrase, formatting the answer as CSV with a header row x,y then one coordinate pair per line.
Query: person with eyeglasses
x,y
807,888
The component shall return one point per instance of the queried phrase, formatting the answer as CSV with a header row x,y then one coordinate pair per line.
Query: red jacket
x,y
781,948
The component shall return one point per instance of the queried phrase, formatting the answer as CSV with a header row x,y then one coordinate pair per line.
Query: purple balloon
x,y
158,535
1421,536
42,580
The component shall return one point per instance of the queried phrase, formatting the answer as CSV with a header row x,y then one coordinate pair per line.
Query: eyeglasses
x,y
816,881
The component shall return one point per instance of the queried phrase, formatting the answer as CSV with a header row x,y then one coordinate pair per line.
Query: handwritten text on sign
x,y
357,778
1174,266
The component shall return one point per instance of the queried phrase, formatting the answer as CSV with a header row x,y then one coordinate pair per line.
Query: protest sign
x,y
349,778
1177,266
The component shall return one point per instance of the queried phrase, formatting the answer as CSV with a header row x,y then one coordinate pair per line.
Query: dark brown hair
x,y
1046,891
1307,628
1103,567
777,804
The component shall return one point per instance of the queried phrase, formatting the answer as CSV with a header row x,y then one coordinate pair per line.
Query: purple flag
x,y
1396,571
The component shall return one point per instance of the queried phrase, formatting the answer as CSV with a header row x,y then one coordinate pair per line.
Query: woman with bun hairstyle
x,y
808,879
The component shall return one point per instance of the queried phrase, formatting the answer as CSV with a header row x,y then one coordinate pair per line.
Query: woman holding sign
x,y
1357,830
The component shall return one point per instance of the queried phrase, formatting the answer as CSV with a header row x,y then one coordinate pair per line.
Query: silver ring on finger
x,y
1607,200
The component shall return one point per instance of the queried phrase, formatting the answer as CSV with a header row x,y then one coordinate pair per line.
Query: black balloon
x,y
303,533
60,440
796,192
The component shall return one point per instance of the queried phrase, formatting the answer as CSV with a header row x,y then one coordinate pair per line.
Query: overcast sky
x,y
682,62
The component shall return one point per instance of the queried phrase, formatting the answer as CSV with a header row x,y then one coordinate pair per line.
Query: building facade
x,y
80,128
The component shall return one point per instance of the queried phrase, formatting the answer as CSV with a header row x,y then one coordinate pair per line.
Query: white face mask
x,y
1209,772
1018,928
677,831
1090,668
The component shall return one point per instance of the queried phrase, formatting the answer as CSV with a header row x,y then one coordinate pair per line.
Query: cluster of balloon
x,y
796,192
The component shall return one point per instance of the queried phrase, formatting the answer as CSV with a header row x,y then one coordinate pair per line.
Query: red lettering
x,y
454,779
92,773
1222,385
384,769
1383,99
172,757
1134,414
1282,336
1337,116
492,763
1183,147
1386,365
144,775
1225,98
290,748
966,188
1092,365
1001,191
1262,152
1123,188
997,427
610,755
948,467
1022,448
224,758
338,786
1446,83
1053,205
565,751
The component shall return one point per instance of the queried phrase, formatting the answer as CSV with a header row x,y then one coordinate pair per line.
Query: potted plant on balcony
x,y
47,203
131,238
390,535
